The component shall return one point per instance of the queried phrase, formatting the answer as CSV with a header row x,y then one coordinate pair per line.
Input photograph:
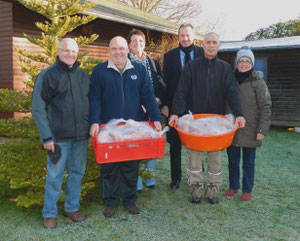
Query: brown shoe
x,y
49,222
109,211
75,216
132,209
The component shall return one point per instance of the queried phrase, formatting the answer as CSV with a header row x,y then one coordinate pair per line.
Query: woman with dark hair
x,y
137,43
256,105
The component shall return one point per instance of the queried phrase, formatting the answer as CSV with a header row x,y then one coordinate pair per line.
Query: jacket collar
x,y
128,65
209,60
65,66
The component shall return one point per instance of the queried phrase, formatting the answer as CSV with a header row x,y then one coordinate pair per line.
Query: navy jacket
x,y
114,95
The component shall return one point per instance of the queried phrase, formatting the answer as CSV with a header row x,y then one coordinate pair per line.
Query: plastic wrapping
x,y
207,126
118,130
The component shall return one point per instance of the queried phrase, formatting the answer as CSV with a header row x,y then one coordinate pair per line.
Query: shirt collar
x,y
128,65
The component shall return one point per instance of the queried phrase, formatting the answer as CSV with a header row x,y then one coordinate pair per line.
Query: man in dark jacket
x,y
174,62
119,89
60,108
205,86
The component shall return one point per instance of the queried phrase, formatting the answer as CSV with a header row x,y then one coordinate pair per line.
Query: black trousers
x,y
175,154
119,180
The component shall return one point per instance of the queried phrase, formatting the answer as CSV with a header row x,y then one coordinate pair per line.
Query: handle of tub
x,y
95,141
173,125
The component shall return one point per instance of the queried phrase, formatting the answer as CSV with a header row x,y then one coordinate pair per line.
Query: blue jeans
x,y
234,155
151,181
73,158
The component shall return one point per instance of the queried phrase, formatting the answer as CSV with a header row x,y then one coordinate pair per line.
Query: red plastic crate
x,y
129,150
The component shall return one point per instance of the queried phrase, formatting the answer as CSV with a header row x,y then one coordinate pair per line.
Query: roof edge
x,y
158,23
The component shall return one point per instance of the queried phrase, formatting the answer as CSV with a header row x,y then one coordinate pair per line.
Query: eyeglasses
x,y
136,41
246,62
69,51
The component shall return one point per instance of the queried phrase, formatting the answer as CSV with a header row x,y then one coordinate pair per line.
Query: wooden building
x,y
114,18
279,60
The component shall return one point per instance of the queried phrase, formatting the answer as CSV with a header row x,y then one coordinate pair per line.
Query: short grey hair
x,y
61,42
210,33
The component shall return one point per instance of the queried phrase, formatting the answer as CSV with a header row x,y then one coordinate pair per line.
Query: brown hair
x,y
135,32
184,26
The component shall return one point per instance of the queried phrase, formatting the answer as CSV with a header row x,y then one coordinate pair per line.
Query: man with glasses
x,y
206,84
60,108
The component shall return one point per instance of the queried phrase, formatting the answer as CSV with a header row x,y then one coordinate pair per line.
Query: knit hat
x,y
245,51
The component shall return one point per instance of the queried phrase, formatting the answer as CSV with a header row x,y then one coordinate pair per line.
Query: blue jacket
x,y
114,95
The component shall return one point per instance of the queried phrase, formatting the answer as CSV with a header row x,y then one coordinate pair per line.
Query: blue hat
x,y
245,51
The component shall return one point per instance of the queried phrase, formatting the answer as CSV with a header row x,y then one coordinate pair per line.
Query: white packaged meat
x,y
118,130
206,126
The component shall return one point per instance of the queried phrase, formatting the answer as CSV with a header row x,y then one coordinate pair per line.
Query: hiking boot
x,y
231,193
197,193
75,216
109,211
246,197
213,200
132,209
49,222
211,193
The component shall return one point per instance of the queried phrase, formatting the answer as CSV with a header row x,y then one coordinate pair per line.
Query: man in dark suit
x,y
174,60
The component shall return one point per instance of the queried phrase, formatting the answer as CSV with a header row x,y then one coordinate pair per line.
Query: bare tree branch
x,y
177,11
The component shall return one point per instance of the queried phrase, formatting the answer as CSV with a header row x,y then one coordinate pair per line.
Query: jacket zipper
x,y
75,121
123,98
208,84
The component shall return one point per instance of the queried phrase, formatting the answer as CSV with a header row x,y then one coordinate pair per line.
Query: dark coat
x,y
256,104
157,85
205,87
114,95
172,71
60,104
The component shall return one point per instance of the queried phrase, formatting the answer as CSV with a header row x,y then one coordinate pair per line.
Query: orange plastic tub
x,y
129,150
206,143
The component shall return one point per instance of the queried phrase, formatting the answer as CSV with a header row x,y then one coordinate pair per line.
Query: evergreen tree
x,y
277,30
22,161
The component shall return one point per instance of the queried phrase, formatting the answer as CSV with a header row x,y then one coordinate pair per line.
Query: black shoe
x,y
196,200
213,200
175,185
151,187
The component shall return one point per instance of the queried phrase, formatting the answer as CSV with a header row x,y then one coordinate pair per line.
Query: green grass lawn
x,y
272,214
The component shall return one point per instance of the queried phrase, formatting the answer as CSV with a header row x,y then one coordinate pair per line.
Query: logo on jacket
x,y
133,77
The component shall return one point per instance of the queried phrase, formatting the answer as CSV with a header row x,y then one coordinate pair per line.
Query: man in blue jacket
x,y
119,89
60,108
